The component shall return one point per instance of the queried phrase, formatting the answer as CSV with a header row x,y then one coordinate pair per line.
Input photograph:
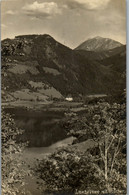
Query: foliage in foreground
x,y
101,168
13,172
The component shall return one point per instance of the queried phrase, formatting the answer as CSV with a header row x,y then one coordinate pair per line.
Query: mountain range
x,y
37,67
98,44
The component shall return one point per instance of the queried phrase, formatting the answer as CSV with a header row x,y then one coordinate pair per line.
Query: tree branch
x,y
115,154
101,153
111,143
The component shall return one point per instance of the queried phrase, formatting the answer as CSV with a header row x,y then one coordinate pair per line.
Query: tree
x,y
106,124
102,167
13,172
110,128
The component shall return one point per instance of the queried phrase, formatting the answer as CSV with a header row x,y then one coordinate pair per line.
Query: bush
x,y
101,168
13,172
66,171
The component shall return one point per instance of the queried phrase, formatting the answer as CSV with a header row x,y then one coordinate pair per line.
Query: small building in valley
x,y
69,98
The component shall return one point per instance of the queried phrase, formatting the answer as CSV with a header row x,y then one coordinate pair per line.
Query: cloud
x,y
88,4
39,10
3,26
10,12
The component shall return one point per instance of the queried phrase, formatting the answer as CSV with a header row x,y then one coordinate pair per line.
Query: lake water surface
x,y
45,134
41,128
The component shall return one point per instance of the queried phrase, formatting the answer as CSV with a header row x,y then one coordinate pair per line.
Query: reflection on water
x,y
44,132
42,128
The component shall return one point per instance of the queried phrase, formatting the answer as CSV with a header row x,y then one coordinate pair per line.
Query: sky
x,y
70,22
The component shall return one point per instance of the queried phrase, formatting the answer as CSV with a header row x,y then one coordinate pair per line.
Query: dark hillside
x,y
37,66
97,55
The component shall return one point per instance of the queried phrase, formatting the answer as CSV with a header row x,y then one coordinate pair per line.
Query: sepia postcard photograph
x,y
63,93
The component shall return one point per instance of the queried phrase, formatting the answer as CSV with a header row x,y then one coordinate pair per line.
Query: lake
x,y
41,128
45,134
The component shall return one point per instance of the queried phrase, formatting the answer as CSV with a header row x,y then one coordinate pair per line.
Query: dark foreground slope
x,y
39,67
